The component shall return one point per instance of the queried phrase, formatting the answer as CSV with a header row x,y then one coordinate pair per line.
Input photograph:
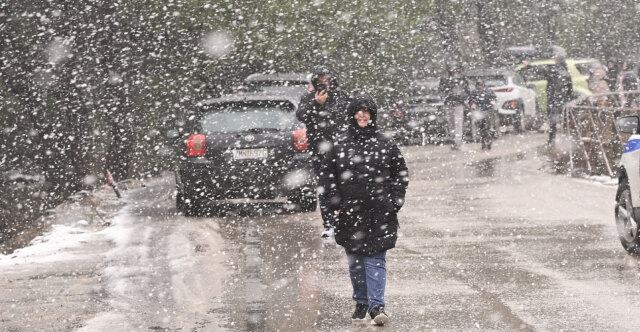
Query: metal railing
x,y
594,141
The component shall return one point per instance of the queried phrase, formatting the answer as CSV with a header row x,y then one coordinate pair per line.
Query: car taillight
x,y
504,89
511,104
196,146
397,111
300,140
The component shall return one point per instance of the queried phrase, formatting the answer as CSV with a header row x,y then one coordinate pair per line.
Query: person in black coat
x,y
324,112
454,90
559,91
365,179
483,100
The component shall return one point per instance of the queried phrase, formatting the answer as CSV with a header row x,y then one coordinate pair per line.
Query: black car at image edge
x,y
245,146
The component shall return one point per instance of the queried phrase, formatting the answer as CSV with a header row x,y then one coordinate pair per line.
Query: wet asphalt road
x,y
488,241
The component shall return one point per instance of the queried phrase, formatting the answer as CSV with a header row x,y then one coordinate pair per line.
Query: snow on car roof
x,y
278,77
244,97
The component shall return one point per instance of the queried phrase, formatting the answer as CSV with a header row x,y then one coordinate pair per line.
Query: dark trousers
x,y
327,216
486,135
555,115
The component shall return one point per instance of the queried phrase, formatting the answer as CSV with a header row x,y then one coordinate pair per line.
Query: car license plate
x,y
240,154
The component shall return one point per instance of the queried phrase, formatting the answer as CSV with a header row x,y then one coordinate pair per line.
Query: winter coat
x,y
559,88
327,121
365,177
454,90
597,83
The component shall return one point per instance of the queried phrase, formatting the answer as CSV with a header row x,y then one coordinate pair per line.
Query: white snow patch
x,y
107,322
599,180
53,246
128,266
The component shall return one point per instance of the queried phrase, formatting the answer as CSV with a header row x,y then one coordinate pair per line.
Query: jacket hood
x,y
362,101
323,71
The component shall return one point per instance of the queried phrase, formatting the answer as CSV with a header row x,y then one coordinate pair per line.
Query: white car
x,y
628,195
516,103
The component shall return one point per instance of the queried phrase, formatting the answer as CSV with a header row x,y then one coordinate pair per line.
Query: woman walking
x,y
365,179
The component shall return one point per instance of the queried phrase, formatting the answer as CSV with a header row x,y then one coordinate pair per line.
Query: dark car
x,y
419,113
245,146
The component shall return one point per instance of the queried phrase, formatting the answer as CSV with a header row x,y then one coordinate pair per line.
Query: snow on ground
x,y
138,264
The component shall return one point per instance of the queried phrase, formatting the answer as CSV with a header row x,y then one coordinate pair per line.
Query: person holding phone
x,y
324,112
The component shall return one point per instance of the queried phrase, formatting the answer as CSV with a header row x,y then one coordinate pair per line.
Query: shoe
x,y
327,233
378,316
360,314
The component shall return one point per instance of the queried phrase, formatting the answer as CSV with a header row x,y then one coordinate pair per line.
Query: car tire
x,y
306,198
539,119
625,222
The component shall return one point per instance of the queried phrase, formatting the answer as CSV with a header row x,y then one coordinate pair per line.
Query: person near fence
x,y
365,178
559,91
612,73
598,85
627,80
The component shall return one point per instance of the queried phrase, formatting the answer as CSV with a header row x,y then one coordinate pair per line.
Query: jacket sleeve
x,y
399,178
327,180
308,109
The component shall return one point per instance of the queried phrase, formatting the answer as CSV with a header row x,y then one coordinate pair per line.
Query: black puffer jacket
x,y
365,177
559,87
327,121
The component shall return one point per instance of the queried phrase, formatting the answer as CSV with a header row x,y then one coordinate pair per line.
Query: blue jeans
x,y
368,278
325,213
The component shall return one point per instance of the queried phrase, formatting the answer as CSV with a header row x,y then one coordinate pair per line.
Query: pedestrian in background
x,y
365,178
455,92
598,85
559,91
482,102
324,112
612,73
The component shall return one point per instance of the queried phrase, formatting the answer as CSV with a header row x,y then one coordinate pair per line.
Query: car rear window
x,y
239,117
587,67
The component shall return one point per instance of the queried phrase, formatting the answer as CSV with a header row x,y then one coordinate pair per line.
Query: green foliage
x,y
124,71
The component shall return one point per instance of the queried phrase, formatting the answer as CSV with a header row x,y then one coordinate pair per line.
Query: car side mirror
x,y
531,86
628,124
